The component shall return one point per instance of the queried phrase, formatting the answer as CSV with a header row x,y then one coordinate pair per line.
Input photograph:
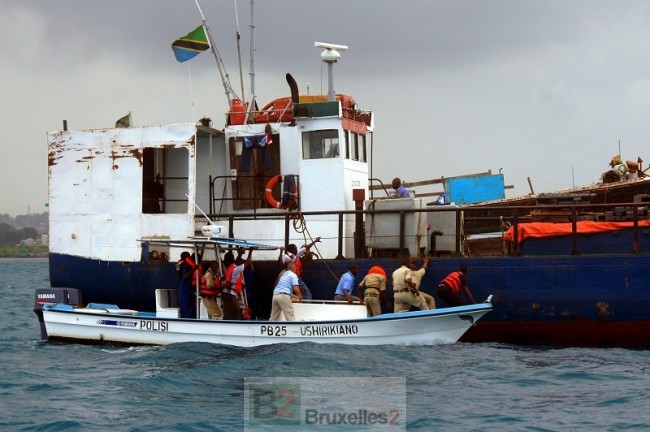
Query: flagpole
x,y
241,76
251,105
222,69
189,73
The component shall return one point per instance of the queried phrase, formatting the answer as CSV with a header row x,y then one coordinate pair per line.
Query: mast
x,y
251,105
213,47
241,77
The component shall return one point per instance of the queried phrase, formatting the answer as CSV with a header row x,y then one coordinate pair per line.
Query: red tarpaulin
x,y
550,229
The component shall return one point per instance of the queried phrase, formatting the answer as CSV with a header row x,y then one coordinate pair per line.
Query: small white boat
x,y
108,323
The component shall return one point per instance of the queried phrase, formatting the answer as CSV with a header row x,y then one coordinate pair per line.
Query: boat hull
x,y
444,326
576,333
595,300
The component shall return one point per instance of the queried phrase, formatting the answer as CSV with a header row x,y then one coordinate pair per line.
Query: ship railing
x,y
242,192
464,216
284,112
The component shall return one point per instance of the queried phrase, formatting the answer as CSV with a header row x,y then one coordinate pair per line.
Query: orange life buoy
x,y
289,192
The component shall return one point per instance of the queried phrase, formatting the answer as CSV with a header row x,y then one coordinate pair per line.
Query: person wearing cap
x,y
451,286
375,291
405,292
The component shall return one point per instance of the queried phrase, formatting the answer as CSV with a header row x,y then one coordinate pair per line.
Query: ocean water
x,y
49,386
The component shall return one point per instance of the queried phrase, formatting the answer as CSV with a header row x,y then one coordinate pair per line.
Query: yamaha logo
x,y
46,296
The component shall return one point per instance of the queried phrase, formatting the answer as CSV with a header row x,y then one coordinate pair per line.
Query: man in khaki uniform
x,y
416,278
375,290
404,290
210,287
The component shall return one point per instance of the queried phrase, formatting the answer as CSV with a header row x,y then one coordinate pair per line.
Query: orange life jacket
x,y
204,286
239,283
453,281
298,265
197,269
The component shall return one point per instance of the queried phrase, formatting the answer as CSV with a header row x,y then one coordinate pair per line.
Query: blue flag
x,y
190,45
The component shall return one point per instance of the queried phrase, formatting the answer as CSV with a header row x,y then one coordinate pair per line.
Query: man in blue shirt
x,y
400,190
344,288
281,303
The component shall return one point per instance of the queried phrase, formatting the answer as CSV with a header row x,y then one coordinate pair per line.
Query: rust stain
x,y
137,155
115,155
52,157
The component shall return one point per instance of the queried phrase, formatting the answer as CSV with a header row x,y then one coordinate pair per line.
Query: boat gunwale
x,y
440,312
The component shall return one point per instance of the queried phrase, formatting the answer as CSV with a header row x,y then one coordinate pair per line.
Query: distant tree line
x,y
10,235
38,221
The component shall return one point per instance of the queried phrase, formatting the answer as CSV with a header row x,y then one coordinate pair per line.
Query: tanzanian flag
x,y
190,45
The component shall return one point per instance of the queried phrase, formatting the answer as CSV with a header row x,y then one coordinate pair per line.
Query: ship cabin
x,y
108,188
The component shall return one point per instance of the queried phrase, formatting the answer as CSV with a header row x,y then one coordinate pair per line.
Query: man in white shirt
x,y
281,303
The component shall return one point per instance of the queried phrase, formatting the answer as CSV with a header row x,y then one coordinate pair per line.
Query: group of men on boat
x,y
234,290
230,288
371,290
406,282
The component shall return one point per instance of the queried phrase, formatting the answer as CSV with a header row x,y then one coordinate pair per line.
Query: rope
x,y
300,226
419,234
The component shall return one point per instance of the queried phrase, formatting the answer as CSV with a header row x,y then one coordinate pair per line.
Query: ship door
x,y
252,164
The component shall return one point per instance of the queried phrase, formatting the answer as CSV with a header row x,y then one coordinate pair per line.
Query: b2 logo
x,y
274,404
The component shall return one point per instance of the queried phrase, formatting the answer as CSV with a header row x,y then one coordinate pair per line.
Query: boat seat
x,y
167,303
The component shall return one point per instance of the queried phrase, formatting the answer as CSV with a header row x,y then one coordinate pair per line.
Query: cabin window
x,y
320,144
164,180
354,147
363,157
252,165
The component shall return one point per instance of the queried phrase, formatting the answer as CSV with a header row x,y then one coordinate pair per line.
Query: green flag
x,y
190,45
124,122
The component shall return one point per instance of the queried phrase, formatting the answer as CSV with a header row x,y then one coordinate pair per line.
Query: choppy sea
x,y
48,386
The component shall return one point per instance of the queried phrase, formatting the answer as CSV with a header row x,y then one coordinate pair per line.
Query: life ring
x,y
289,191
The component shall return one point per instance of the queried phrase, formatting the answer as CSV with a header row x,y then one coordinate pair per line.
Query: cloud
x,y
541,89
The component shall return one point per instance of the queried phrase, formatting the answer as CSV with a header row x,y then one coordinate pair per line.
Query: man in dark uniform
x,y
450,287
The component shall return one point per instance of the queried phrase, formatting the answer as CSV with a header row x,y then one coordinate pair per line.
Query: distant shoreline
x,y
24,251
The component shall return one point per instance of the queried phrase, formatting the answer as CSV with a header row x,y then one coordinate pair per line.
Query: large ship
x,y
299,168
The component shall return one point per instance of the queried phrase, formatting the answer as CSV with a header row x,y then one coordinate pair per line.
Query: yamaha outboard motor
x,y
69,296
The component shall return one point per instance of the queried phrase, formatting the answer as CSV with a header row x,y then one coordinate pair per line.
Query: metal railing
x,y
234,189
509,217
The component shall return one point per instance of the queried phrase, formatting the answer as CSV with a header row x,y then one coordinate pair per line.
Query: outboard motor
x,y
69,296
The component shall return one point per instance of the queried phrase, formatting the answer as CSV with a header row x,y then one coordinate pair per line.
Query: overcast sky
x,y
541,89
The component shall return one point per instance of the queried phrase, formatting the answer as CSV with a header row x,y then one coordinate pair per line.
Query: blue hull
x,y
566,301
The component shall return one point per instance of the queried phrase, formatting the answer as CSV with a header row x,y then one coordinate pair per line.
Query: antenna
x,y
330,56
212,230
